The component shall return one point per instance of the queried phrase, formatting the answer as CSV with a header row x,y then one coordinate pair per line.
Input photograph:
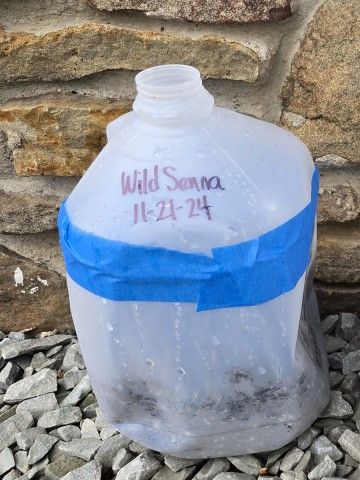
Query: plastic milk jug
x,y
188,246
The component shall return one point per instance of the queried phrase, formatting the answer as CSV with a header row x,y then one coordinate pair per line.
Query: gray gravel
x,y
51,426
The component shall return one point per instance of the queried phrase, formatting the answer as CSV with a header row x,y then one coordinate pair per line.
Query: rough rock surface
x,y
58,135
80,50
323,88
218,11
31,303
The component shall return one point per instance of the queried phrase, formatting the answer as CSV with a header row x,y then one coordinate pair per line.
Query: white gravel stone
x,y
67,432
27,438
234,476
304,464
21,461
175,463
84,448
338,407
350,442
37,406
8,375
247,464
306,438
73,358
60,416
137,448
72,377
326,468
57,469
142,467
121,458
42,445
329,323
13,425
89,471
14,349
107,432
322,446
291,459
38,384
78,393
351,362
212,468
12,475
348,326
109,448
165,473
7,461
89,430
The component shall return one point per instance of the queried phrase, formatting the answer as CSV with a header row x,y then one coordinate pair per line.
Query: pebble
x,y
337,407
109,448
336,360
26,438
336,378
14,349
304,464
351,385
13,425
72,377
84,448
37,360
89,471
121,458
37,406
175,463
326,468
89,430
12,475
136,447
351,362
334,344
107,432
291,459
322,446
73,358
307,437
38,384
350,442
7,461
329,323
21,461
336,432
165,473
246,463
348,326
212,468
66,433
60,467
142,467
8,375
53,351
234,476
60,416
78,393
41,447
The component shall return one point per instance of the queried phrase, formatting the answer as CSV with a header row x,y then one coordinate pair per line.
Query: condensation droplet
x,y
150,362
116,340
180,371
261,370
109,326
172,439
215,341
103,300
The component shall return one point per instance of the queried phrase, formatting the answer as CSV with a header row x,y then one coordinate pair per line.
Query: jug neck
x,y
171,95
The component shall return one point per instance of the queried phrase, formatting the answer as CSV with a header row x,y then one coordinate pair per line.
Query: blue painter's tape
x,y
244,274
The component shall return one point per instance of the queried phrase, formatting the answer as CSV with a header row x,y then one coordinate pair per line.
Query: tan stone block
x,y
40,303
338,256
216,11
324,82
338,298
59,134
339,199
76,51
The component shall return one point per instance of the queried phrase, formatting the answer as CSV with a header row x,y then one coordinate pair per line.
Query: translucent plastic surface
x,y
178,172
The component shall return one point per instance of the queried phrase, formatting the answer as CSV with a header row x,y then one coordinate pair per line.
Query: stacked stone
x,y
52,428
67,69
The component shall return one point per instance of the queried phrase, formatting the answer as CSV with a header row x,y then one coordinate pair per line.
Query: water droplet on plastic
x,y
116,340
150,362
104,301
180,371
215,341
109,326
261,370
172,439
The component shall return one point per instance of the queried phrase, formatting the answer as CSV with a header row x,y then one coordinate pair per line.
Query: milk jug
x,y
189,246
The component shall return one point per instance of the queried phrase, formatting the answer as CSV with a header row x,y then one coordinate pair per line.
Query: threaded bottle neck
x,y
171,94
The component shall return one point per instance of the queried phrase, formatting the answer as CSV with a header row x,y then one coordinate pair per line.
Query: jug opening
x,y
168,81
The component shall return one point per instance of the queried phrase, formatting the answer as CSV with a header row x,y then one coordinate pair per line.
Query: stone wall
x,y
67,68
